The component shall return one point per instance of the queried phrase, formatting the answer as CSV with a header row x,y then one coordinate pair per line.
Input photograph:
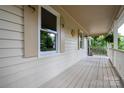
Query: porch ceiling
x,y
96,19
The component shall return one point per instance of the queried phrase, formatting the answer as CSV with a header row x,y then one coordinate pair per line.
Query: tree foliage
x,y
121,42
98,41
98,45
47,42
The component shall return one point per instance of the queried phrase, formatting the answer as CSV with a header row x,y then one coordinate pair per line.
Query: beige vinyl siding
x,y
17,71
11,33
11,44
7,25
4,15
13,10
5,34
10,52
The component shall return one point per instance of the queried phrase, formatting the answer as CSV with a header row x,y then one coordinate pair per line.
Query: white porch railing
x,y
117,58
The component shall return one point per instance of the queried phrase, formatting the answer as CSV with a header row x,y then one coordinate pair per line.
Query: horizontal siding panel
x,y
11,35
11,44
11,26
6,62
10,52
12,9
10,17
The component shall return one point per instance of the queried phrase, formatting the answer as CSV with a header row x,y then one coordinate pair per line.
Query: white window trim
x,y
48,30
49,53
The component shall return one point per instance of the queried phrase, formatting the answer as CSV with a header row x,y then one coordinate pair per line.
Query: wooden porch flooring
x,y
91,72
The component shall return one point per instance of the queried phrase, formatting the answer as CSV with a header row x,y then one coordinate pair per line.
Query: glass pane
x,y
81,40
81,44
48,41
48,20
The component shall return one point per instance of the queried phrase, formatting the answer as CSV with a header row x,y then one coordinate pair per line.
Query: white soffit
x,y
96,19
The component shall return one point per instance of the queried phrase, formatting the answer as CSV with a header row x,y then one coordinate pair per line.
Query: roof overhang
x,y
95,19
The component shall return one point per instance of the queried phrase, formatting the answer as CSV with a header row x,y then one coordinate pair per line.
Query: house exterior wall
x,y
18,71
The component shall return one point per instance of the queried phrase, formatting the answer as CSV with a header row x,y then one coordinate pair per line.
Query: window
x,y
49,30
81,41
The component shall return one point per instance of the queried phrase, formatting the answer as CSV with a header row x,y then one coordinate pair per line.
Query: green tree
x,y
46,41
98,41
98,44
121,42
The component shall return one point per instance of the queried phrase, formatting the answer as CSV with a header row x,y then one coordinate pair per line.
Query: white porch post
x,y
115,32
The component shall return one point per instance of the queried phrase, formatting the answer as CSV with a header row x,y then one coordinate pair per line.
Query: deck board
x,y
91,72
100,74
84,76
75,80
70,77
106,77
61,77
93,81
89,76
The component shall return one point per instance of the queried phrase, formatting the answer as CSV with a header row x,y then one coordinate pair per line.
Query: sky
x,y
121,30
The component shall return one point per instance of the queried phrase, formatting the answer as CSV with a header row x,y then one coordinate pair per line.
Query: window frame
x,y
57,32
80,32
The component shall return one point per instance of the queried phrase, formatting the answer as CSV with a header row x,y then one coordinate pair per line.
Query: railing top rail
x,y
118,50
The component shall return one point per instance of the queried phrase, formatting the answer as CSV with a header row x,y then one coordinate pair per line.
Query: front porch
x,y
93,71
28,60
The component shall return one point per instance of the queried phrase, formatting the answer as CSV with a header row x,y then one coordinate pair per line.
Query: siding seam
x,y
12,30
12,39
12,13
12,22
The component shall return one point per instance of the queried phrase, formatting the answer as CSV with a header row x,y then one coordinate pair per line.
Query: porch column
x,y
115,32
